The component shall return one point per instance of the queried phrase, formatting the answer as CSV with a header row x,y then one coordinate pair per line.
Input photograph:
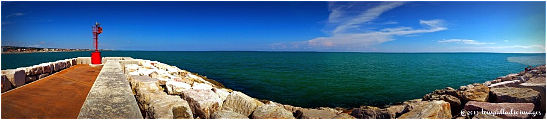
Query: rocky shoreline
x,y
167,92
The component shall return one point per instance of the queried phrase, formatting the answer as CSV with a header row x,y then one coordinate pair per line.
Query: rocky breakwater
x,y
13,78
519,95
167,92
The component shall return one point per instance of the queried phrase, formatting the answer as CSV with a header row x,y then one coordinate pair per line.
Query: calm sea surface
x,y
314,79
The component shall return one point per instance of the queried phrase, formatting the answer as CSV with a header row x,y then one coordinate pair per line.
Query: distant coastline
x,y
22,50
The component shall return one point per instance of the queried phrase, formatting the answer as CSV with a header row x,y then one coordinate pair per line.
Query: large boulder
x,y
144,82
6,84
36,70
489,108
47,68
395,111
176,88
320,113
17,77
474,92
202,86
30,79
271,111
429,110
145,96
227,114
169,107
222,93
83,60
449,95
241,103
369,112
515,95
538,84
131,68
203,102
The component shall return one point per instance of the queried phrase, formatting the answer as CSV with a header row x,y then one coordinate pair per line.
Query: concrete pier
x,y
111,96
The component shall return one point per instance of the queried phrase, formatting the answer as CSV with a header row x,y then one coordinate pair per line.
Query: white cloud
x,y
518,46
15,14
464,41
346,34
370,38
366,16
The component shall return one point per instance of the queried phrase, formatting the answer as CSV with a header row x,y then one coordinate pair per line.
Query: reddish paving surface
x,y
60,95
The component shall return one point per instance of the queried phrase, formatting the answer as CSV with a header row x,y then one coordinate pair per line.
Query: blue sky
x,y
280,26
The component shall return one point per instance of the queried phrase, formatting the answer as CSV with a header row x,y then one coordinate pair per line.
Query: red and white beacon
x,y
96,55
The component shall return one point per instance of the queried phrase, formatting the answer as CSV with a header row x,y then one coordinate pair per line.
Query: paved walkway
x,y
111,96
60,95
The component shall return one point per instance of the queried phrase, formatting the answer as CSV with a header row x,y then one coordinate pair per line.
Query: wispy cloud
x,y
15,14
347,34
366,16
519,46
464,41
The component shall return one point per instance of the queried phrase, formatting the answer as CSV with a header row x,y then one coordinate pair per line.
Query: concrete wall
x,y
13,78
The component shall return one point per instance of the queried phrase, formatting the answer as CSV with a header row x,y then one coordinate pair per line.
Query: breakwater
x,y
165,91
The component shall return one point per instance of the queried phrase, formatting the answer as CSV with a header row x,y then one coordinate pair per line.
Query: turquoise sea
x,y
314,79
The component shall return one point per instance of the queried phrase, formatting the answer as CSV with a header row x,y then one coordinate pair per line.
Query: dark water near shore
x,y
313,79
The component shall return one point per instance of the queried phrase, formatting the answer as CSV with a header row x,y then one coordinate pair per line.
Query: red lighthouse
x,y
96,55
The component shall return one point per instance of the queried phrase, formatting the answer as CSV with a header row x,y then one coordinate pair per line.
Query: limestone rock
x,y
145,97
499,107
474,92
176,88
515,95
537,84
83,60
203,102
56,66
146,72
42,75
131,68
6,84
15,76
319,113
510,83
222,93
185,80
202,86
509,77
241,103
343,116
145,82
169,107
429,110
449,95
30,79
396,110
271,111
226,114
36,70
369,112
47,68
